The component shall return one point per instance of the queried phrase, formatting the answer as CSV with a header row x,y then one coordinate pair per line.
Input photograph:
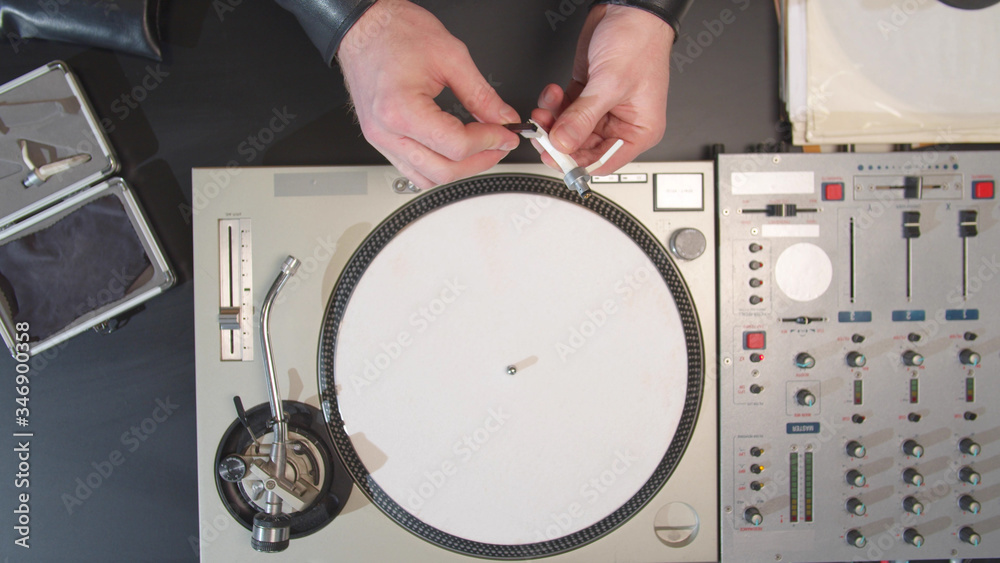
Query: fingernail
x,y
510,116
562,137
548,97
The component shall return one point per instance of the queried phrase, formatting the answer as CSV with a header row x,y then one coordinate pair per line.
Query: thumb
x,y
580,118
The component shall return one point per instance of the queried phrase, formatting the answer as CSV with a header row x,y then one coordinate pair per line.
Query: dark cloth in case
x,y
83,262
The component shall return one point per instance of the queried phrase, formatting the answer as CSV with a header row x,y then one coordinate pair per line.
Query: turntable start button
x,y
688,243
676,524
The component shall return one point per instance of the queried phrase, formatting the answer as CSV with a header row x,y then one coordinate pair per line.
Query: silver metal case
x,y
46,115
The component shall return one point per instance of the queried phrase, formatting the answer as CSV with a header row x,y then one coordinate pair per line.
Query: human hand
x,y
396,59
618,91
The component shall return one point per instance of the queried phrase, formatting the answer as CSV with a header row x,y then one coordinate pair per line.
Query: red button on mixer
x,y
983,189
833,191
753,340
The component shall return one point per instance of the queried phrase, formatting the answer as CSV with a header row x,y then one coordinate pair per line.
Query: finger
x,y
543,117
423,121
408,171
579,120
546,159
551,99
475,93
437,169
623,156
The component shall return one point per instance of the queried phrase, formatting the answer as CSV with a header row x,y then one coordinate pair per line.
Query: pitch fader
x,y
859,336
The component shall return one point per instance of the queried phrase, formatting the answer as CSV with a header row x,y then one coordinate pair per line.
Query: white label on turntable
x,y
772,183
679,191
511,368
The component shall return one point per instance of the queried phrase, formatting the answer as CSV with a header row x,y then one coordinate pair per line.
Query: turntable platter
x,y
508,370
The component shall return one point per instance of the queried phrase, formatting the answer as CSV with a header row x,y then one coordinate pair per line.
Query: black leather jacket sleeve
x,y
670,11
326,22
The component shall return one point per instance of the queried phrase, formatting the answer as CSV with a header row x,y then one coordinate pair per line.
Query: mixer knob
x,y
756,469
913,537
912,359
969,504
969,358
913,337
804,361
912,477
913,506
756,485
805,398
969,475
912,448
857,418
856,360
752,515
756,451
856,507
857,338
855,449
855,478
968,447
969,536
756,265
856,539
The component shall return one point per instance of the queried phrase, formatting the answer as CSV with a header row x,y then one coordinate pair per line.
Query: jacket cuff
x,y
670,11
326,22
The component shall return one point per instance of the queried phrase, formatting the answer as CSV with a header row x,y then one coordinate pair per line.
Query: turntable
x,y
492,369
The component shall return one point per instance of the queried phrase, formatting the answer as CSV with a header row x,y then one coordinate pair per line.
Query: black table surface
x,y
122,406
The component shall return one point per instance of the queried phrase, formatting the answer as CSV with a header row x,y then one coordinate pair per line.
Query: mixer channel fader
x,y
859,340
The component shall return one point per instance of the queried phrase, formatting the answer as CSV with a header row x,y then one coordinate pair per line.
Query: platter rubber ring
x,y
478,187
970,4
